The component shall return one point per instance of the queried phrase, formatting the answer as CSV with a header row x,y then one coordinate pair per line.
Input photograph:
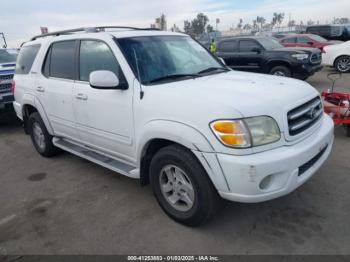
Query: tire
x,y
281,71
182,163
342,64
41,138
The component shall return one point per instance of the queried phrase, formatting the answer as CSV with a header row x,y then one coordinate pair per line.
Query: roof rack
x,y
89,30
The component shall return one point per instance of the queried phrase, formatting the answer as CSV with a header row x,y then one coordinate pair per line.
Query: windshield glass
x,y
270,43
318,38
8,56
162,56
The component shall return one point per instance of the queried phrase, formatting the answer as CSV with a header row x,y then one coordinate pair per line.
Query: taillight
x,y
322,50
13,87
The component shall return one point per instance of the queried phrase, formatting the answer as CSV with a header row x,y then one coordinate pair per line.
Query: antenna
x,y
138,74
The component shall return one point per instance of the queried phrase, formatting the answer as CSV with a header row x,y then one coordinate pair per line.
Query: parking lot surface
x,y
66,205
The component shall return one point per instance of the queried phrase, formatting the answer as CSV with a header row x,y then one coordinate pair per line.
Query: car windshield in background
x,y
270,43
167,58
318,38
7,56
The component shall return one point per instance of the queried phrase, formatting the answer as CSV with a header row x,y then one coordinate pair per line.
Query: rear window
x,y
61,59
26,59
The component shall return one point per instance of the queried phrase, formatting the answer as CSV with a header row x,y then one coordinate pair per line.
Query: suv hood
x,y
236,94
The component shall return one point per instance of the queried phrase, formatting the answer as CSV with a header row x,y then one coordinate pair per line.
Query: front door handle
x,y
40,89
81,97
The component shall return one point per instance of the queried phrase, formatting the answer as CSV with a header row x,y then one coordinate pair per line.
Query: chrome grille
x,y
5,87
6,77
316,58
304,116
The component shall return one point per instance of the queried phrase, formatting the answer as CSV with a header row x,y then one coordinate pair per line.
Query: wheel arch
x,y
161,133
273,63
31,104
337,57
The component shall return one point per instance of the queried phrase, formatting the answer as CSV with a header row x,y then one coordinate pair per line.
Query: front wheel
x,y
182,187
281,71
342,64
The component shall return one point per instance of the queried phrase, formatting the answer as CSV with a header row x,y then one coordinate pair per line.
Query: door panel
x,y
104,118
56,88
249,59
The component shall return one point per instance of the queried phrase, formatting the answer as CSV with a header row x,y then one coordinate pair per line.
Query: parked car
x,y
338,56
330,32
7,70
157,106
268,56
305,40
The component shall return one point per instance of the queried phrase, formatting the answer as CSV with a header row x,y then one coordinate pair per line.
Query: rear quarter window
x,y
26,59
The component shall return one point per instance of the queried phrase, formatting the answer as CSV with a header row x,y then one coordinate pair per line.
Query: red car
x,y
305,40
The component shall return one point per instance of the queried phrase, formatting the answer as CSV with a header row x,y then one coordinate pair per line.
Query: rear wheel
x,y
41,138
182,187
342,64
281,71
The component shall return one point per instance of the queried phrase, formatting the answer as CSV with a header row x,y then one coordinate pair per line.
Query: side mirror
x,y
222,60
104,79
256,50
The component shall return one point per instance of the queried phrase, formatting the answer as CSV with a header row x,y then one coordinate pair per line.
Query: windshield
x,y
318,38
163,56
7,56
270,43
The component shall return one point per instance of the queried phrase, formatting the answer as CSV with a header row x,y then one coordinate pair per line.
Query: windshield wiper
x,y
212,69
170,77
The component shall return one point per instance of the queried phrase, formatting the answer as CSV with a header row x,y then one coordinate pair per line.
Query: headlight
x,y
300,56
247,132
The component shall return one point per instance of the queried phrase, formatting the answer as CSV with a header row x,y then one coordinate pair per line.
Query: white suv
x,y
158,107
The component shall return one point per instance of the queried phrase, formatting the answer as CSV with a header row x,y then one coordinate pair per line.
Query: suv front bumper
x,y
274,173
306,70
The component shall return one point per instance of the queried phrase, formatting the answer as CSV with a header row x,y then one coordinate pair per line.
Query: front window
x,y
270,43
161,56
8,56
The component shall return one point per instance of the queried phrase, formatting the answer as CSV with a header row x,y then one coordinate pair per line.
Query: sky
x,y
21,19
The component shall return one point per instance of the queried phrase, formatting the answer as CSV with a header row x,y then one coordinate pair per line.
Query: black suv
x,y
331,32
267,55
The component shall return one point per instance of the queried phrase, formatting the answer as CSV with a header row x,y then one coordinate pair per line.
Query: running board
x,y
97,158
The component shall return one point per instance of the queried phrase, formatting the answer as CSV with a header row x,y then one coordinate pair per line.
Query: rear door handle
x,y
40,89
81,97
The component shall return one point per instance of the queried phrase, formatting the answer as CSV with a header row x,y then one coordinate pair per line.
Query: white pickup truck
x,y
158,107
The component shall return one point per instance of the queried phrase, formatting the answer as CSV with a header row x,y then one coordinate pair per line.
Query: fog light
x,y
265,183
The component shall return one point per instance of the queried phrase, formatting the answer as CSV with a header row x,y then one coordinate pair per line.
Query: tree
x,y
277,19
210,28
240,24
291,23
197,26
261,20
187,27
310,22
247,27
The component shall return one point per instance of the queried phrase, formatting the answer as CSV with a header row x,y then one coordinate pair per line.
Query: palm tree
x,y
261,20
277,19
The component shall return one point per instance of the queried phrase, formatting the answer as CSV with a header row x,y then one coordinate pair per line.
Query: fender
x,y
178,132
188,137
29,99
274,60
